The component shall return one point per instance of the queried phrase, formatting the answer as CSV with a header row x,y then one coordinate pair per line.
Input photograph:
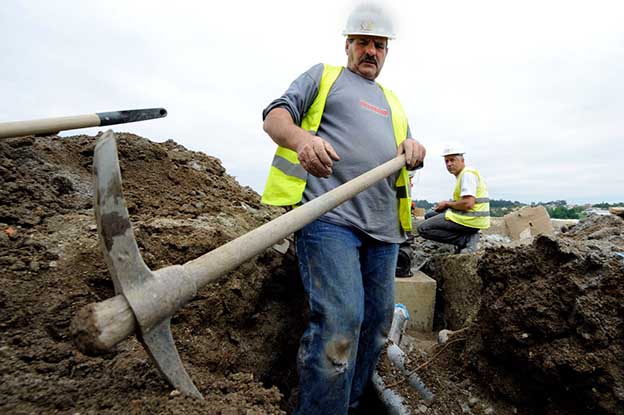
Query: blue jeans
x,y
349,281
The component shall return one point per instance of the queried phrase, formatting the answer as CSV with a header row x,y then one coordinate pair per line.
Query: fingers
x,y
414,152
321,153
316,157
330,150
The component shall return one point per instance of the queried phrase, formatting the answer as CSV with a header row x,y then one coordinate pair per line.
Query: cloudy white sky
x,y
535,89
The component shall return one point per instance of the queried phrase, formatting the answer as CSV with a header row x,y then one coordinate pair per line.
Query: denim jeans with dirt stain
x,y
349,281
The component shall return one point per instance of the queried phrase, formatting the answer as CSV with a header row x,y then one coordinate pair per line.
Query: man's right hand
x,y
441,206
316,156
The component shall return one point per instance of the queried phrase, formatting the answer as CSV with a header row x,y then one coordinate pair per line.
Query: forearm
x,y
280,126
465,203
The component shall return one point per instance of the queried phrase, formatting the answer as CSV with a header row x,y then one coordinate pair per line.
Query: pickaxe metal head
x,y
153,296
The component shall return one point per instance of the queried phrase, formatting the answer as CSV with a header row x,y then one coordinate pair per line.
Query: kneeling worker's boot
x,y
472,244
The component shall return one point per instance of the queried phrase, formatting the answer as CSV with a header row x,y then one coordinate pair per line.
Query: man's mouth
x,y
369,61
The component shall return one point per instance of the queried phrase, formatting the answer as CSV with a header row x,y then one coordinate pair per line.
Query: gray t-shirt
x,y
357,122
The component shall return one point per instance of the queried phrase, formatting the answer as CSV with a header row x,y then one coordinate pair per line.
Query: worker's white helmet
x,y
453,148
369,19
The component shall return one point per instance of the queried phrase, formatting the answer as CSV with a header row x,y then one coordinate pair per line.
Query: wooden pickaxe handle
x,y
99,326
57,124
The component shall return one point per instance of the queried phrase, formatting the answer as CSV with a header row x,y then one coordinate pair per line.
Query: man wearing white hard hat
x,y
331,125
459,220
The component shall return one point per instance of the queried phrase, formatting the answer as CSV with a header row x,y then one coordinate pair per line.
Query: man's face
x,y
366,55
454,163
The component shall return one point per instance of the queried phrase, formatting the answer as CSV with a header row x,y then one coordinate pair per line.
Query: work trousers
x,y
348,278
437,228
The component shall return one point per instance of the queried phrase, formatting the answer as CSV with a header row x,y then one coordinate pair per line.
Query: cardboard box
x,y
528,222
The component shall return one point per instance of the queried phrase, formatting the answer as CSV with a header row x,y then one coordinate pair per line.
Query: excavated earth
x,y
547,337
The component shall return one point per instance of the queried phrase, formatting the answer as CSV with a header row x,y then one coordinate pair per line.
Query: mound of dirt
x,y
550,331
237,338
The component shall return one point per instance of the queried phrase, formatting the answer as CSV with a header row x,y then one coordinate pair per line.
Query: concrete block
x,y
418,294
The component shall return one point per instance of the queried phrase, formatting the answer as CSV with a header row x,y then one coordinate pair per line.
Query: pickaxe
x,y
146,300
47,126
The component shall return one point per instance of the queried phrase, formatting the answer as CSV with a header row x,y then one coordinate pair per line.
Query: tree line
x,y
557,209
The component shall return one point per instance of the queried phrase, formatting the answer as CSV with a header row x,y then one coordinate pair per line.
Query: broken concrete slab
x,y
528,222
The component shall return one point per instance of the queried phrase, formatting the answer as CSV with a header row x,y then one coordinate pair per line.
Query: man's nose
x,y
370,48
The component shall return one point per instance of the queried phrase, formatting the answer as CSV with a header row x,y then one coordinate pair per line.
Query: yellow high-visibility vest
x,y
287,178
479,215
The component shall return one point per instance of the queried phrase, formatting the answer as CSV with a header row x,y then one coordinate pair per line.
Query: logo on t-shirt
x,y
371,107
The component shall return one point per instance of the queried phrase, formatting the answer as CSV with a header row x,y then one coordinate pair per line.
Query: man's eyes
x,y
378,45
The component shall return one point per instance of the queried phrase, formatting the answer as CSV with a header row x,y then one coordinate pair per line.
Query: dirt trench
x,y
238,338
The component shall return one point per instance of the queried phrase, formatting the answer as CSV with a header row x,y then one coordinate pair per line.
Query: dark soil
x,y
550,332
238,338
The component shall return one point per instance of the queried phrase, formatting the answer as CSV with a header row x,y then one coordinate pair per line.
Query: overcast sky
x,y
534,89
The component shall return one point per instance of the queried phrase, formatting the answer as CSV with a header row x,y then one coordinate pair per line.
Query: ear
x,y
347,46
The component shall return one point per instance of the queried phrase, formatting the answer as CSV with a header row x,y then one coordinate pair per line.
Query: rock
x,y
11,232
422,409
62,184
34,266
18,266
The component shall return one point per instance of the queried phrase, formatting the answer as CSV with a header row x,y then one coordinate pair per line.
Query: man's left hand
x,y
414,153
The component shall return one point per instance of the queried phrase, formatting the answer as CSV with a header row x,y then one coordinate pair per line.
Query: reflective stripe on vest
x,y
287,179
283,188
479,215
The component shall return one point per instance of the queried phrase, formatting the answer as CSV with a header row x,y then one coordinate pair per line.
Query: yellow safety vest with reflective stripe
x,y
287,178
479,215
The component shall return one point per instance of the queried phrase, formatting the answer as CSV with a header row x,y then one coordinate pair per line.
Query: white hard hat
x,y
453,148
369,19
